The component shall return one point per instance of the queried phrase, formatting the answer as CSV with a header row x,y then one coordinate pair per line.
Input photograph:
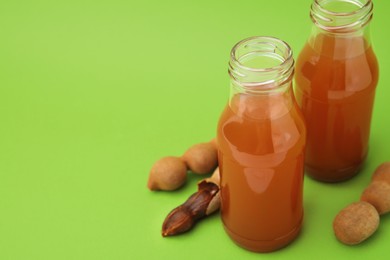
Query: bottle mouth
x,y
261,63
340,16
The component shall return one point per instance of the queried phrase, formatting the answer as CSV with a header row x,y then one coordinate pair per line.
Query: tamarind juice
x,y
261,141
336,77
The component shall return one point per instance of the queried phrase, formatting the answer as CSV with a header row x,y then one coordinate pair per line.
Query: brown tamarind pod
x,y
355,223
201,158
200,204
378,195
168,173
184,217
382,173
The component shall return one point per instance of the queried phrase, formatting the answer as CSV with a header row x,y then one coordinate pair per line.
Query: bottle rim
x,y
343,21
265,77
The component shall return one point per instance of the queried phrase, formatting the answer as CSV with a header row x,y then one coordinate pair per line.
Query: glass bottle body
x,y
261,137
336,78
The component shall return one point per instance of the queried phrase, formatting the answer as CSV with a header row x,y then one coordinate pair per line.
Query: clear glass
x,y
336,77
261,137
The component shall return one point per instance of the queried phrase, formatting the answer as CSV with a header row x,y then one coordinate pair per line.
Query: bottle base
x,y
264,246
328,175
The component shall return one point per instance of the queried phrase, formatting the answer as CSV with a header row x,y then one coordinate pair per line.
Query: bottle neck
x,y
261,65
341,17
261,71
341,27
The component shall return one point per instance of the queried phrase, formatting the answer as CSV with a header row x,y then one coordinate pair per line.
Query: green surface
x,y
93,92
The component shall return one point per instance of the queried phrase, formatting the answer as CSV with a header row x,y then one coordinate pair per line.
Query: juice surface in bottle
x,y
336,78
261,138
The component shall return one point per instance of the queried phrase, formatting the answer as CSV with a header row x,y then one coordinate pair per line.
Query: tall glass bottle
x,y
336,77
261,137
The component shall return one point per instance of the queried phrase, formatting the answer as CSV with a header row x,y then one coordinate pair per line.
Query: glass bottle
x,y
261,137
336,78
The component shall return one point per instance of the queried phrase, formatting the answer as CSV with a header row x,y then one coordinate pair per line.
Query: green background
x,y
92,93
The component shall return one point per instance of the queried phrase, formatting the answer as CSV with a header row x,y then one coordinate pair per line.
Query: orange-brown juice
x,y
261,142
336,78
